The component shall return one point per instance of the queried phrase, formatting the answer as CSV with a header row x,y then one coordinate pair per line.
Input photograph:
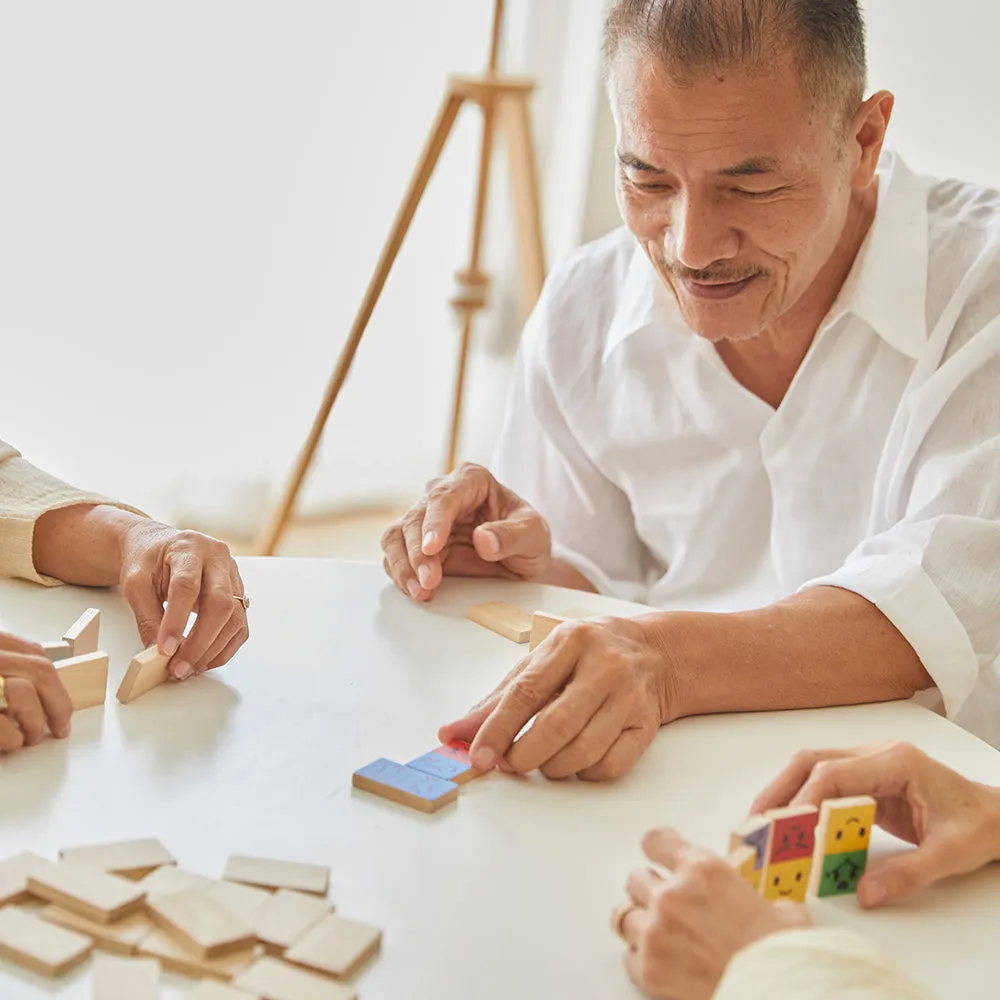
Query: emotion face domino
x,y
449,762
405,785
754,833
793,837
839,873
788,880
848,824
789,854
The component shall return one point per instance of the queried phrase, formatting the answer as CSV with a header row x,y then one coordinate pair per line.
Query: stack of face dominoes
x,y
264,930
427,783
789,853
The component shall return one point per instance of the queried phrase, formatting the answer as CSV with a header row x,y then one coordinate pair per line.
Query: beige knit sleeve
x,y
25,494
816,964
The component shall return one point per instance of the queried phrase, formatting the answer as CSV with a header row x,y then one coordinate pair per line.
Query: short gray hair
x,y
825,37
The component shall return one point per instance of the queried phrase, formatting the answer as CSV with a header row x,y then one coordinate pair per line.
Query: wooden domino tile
x,y
542,624
336,946
147,670
120,938
790,852
39,946
126,978
743,860
174,958
286,917
14,874
268,873
85,678
131,859
84,634
199,924
55,651
504,619
842,836
170,879
754,833
246,901
450,762
273,979
405,785
86,891
208,990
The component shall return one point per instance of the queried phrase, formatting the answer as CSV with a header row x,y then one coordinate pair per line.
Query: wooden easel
x,y
504,101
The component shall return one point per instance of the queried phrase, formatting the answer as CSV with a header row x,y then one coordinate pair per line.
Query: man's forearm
x,y
821,647
82,544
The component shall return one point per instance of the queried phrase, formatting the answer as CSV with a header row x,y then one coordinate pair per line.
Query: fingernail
x,y
413,589
491,543
429,539
62,732
182,670
874,892
425,577
170,646
484,757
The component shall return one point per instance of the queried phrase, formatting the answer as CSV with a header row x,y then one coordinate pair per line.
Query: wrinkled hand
x,y
36,698
595,687
467,524
191,572
684,929
954,822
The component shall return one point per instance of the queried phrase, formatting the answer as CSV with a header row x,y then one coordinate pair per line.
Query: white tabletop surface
x,y
504,894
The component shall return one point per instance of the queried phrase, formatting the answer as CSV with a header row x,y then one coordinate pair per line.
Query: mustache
x,y
720,274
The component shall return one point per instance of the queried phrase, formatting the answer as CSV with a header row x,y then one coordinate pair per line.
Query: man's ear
x,y
868,129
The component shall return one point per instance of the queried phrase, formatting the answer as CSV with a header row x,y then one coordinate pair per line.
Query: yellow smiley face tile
x,y
849,827
788,880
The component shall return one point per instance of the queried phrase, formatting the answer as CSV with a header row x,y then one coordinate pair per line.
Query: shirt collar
x,y
886,287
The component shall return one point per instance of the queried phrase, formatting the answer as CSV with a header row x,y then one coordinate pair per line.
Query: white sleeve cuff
x,y
900,588
626,590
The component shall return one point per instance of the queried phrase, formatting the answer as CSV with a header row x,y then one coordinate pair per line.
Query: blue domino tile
x,y
440,766
406,779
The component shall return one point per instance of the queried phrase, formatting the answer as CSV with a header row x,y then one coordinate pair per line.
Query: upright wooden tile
x,y
504,619
449,762
14,874
245,901
174,958
754,833
84,634
120,938
842,837
126,978
209,990
273,979
286,917
169,880
147,670
542,624
85,679
131,859
404,785
199,924
56,651
90,893
268,873
40,946
336,946
790,852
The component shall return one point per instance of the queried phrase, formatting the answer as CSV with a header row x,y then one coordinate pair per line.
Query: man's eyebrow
x,y
634,163
751,168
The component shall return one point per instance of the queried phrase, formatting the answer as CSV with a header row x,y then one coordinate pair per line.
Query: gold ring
x,y
244,600
618,919
3,694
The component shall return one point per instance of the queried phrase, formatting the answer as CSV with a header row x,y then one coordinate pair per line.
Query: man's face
x,y
736,188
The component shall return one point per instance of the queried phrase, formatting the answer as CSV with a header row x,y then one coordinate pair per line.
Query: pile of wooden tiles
x,y
265,930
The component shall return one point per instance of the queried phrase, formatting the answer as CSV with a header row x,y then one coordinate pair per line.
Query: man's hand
x,y
683,930
36,699
596,687
467,524
191,572
954,822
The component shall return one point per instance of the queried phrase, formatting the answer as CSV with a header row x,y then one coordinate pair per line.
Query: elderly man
x,y
51,532
768,406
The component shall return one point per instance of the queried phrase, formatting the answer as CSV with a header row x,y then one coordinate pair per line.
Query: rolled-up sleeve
x,y
816,964
539,457
935,572
25,494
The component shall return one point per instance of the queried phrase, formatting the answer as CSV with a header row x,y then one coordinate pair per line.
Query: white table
x,y
506,893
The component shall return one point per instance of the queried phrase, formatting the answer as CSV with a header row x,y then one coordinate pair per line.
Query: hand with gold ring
x,y
683,929
33,696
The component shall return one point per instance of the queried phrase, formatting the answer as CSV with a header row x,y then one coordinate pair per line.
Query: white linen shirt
x,y
665,481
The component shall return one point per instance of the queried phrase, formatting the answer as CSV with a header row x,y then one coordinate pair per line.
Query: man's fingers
x,y
597,726
427,568
216,607
397,564
184,583
523,533
881,774
139,589
622,757
668,848
230,650
788,783
222,640
43,677
642,886
25,709
633,925
11,738
447,500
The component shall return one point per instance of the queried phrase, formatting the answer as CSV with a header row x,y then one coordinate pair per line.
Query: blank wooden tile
x,y
131,859
246,901
504,619
271,874
57,650
542,624
85,679
14,874
217,991
169,879
174,958
91,893
286,917
40,946
119,938
336,946
405,785
199,924
125,978
147,670
273,979
84,634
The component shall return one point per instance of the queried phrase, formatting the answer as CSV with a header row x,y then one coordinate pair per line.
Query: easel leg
x,y
482,191
527,198
274,528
